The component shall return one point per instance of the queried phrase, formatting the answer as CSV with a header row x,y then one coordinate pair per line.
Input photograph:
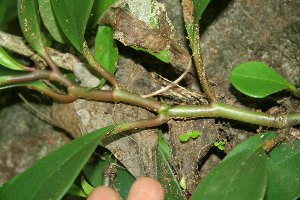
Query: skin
x,y
144,188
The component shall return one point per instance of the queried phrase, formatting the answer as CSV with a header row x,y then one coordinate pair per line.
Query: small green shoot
x,y
182,183
220,145
163,145
87,188
77,191
184,137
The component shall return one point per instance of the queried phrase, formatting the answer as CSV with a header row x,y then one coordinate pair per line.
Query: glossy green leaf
x,y
258,80
30,24
2,187
8,61
98,8
53,175
162,55
106,51
166,177
163,145
250,142
93,172
72,16
50,22
243,176
199,7
8,11
284,171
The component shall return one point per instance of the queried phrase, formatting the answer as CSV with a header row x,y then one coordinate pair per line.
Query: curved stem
x,y
36,75
59,97
50,62
196,48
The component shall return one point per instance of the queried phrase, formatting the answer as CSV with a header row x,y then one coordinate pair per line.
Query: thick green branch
x,y
144,123
135,99
117,95
100,95
59,97
217,109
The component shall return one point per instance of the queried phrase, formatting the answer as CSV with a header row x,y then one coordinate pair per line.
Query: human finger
x,y
103,193
146,188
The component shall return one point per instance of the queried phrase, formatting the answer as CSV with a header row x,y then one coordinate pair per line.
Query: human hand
x,y
144,188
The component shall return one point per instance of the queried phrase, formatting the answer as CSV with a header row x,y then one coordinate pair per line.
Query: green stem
x,y
50,62
144,123
217,109
117,95
295,91
135,99
49,92
36,75
193,32
81,92
293,119
92,61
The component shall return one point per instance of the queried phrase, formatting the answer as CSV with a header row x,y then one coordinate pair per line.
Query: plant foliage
x,y
243,176
53,175
30,24
8,61
199,7
95,172
50,21
106,51
167,178
284,172
71,22
258,80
